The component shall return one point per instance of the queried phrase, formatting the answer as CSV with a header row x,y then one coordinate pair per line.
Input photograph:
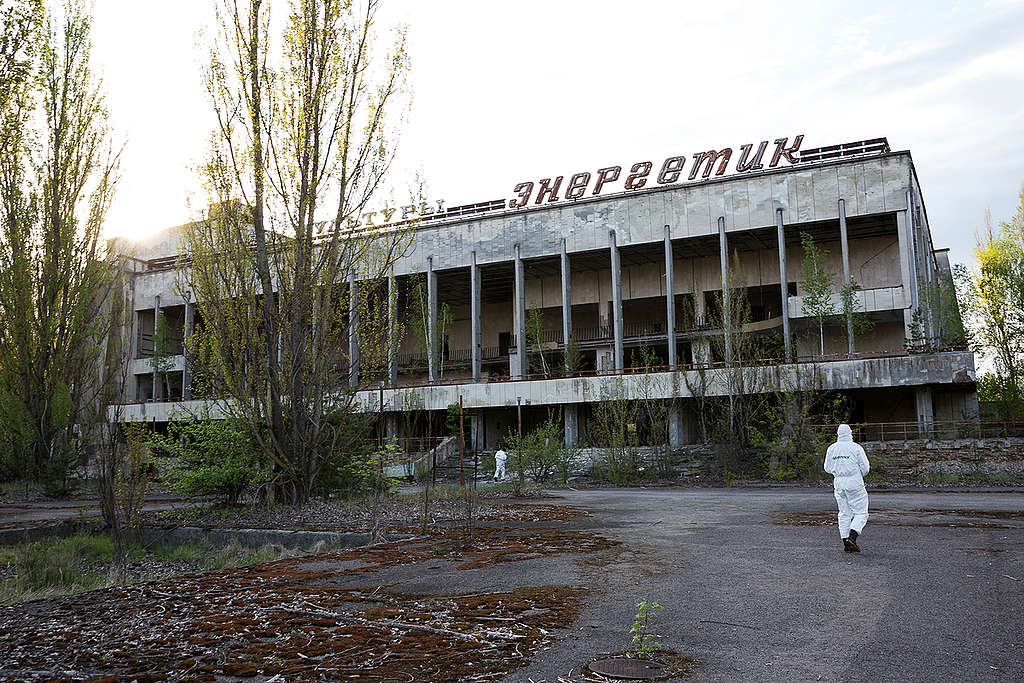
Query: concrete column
x,y
353,331
152,343
432,340
723,253
566,301
845,242
925,410
913,253
670,299
616,300
784,284
676,430
392,329
186,333
519,317
477,441
474,315
571,420
906,270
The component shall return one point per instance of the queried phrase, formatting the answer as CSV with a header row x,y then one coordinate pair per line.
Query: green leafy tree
x,y
305,130
817,286
163,349
994,303
857,319
419,323
535,337
573,357
58,173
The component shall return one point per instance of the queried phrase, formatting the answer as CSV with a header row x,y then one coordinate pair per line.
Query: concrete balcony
x,y
866,300
865,372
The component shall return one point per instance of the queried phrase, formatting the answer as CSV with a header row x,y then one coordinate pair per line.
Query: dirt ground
x,y
753,582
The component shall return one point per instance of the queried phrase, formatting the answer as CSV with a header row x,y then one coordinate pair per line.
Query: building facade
x,y
634,280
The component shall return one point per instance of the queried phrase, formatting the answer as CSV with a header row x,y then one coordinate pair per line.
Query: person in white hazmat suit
x,y
499,464
847,462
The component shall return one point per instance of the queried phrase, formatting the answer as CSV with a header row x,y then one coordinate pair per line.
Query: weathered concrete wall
x,y
966,457
869,186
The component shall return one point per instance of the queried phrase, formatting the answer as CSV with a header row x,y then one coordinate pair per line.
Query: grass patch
x,y
64,566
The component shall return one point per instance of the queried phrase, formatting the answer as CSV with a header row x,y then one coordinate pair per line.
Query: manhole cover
x,y
630,669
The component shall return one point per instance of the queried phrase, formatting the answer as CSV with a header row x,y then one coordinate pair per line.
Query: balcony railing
x,y
175,346
942,430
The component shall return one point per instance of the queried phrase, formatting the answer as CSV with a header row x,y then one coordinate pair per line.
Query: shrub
x,y
210,457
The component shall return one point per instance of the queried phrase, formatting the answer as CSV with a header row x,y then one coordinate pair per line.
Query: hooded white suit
x,y
847,462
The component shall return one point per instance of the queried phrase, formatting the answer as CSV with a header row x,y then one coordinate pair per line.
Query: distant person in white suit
x,y
847,462
499,464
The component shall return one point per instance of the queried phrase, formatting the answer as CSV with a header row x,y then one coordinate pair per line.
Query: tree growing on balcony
x,y
304,138
535,337
58,173
817,285
160,361
418,324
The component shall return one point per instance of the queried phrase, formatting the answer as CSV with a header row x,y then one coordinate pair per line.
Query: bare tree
x,y
283,281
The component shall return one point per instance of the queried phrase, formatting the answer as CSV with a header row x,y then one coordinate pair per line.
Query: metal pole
x,y
519,444
380,418
462,473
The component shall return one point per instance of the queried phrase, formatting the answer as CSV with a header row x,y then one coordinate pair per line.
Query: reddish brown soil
x,y
284,618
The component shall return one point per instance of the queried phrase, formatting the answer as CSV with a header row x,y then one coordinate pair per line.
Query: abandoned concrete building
x,y
639,274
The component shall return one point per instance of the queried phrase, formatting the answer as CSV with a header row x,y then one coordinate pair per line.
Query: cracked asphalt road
x,y
936,595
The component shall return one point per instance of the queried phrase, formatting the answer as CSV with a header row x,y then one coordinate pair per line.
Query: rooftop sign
x,y
640,174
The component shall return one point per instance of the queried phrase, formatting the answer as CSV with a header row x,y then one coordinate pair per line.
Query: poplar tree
x,y
58,172
995,306
304,138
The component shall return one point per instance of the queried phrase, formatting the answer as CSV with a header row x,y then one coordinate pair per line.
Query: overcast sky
x,y
505,92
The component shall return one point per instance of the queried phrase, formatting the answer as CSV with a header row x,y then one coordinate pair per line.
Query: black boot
x,y
848,545
853,547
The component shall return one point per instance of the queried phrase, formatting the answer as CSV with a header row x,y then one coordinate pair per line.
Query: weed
x,y
644,640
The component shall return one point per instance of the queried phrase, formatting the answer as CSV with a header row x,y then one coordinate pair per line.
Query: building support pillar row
x,y
566,307
616,301
474,314
392,329
784,284
925,410
432,354
571,421
845,242
723,253
519,317
670,299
